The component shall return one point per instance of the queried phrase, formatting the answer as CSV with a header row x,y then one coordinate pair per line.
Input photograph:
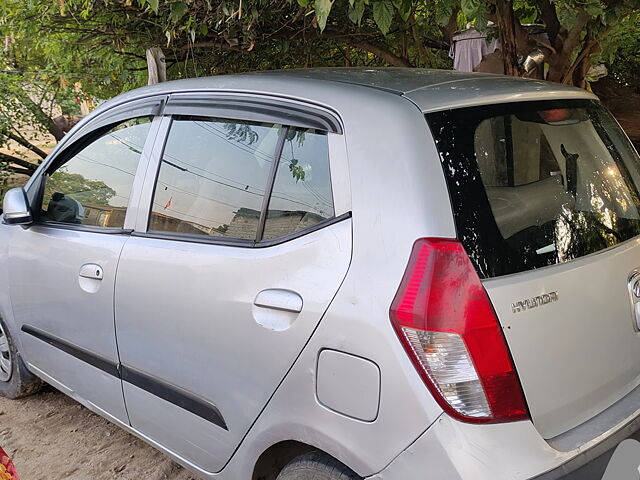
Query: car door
x,y
225,280
62,268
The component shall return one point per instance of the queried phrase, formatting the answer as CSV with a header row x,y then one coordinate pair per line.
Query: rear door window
x,y
537,183
301,195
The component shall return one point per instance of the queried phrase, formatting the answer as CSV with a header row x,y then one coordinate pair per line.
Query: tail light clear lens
x,y
447,325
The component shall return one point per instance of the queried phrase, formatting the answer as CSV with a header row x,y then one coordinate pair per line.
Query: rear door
x,y
546,201
228,273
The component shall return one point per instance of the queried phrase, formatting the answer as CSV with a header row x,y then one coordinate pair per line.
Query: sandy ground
x,y
51,437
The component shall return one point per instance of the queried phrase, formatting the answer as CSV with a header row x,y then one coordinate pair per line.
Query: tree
x,y
85,191
43,74
213,36
58,50
577,31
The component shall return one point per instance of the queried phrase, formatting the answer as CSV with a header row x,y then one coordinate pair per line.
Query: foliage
x,y
67,49
621,52
85,191
45,70
218,36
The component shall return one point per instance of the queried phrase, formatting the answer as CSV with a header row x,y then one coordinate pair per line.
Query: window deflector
x,y
253,108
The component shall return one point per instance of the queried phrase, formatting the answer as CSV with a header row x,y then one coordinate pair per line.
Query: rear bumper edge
x,y
592,463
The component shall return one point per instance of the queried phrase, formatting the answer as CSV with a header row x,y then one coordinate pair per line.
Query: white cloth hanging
x,y
469,47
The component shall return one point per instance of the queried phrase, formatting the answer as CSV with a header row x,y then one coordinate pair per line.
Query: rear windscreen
x,y
537,183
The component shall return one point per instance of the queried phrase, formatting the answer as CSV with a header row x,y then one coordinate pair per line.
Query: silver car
x,y
337,274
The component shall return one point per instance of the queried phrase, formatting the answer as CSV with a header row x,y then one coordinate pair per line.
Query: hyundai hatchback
x,y
337,274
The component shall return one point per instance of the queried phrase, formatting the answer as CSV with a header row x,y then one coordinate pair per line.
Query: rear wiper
x,y
571,160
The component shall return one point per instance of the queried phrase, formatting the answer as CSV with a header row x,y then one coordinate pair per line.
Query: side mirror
x,y
15,207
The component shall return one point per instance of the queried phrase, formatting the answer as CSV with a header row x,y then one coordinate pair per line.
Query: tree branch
x,y
22,171
550,18
581,63
221,44
10,159
142,57
386,55
25,143
452,24
559,63
46,120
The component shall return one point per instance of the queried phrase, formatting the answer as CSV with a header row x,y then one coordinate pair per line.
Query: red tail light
x,y
447,325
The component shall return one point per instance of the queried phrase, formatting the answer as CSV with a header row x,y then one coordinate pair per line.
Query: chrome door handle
x,y
279,299
91,270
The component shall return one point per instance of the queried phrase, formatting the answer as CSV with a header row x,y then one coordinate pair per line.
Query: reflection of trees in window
x,y
297,170
85,191
240,132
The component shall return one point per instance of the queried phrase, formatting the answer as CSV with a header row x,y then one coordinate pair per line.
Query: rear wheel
x,y
15,380
316,466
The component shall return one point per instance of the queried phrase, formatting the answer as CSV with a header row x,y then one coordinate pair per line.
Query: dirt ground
x,y
51,437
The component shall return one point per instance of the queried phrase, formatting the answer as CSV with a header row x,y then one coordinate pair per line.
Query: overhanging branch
x,y
11,160
26,144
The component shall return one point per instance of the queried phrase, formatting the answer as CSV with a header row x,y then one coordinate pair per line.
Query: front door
x,y
62,269
218,296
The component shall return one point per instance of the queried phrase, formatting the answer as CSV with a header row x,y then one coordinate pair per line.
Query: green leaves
x,y
153,4
383,13
594,8
178,9
471,7
356,11
322,7
404,8
297,171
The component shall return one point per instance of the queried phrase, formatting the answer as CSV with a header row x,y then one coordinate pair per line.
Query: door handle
x,y
633,286
91,270
279,299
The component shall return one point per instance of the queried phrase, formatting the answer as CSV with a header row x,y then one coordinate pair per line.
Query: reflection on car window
x,y
538,183
213,177
93,186
301,194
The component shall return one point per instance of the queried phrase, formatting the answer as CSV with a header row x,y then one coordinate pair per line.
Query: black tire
x,y
21,381
316,465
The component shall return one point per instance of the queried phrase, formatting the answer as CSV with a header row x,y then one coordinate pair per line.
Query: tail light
x,y
447,326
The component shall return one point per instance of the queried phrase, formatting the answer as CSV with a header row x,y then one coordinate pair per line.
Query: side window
x,y
301,194
213,177
93,186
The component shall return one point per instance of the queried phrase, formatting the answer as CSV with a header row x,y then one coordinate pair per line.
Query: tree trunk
x,y
566,43
508,41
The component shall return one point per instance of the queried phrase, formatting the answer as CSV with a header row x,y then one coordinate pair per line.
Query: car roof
x,y
395,80
430,89
434,90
